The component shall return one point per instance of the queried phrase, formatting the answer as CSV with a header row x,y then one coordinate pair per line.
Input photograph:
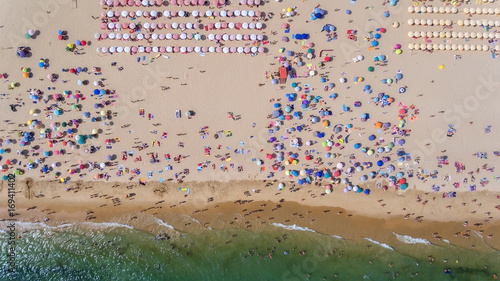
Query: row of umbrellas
x,y
159,3
175,25
484,11
430,22
177,49
195,14
217,25
433,10
451,47
481,22
182,36
453,34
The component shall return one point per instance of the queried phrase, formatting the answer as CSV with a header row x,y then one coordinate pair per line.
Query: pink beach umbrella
x,y
148,49
102,2
218,36
138,3
161,36
159,3
224,25
232,37
260,49
218,50
162,49
133,36
251,25
210,25
194,2
134,49
161,25
246,37
222,2
123,3
257,2
175,36
104,35
147,36
104,50
232,49
243,2
250,2
190,49
179,2
124,25
132,25
117,14
130,2
201,2
204,49
214,2
238,25
116,3
182,25
187,2
168,25
176,49
146,14
118,36
172,2
258,14
229,13
104,26
246,50
131,14
173,13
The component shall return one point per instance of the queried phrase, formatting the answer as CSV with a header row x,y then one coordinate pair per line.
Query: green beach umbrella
x,y
371,68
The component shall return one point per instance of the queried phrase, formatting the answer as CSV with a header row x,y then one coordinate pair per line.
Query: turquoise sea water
x,y
114,252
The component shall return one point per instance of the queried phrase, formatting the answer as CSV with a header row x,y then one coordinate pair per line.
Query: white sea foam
x,y
338,237
162,223
446,241
477,233
293,227
380,244
107,225
410,240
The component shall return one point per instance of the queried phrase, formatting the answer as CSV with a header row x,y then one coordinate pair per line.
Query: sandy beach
x,y
367,136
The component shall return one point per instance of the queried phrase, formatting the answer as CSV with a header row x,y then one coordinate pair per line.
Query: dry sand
x,y
464,94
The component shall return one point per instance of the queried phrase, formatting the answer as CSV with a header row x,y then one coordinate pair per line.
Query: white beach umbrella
x,y
169,49
197,49
225,50
467,47
411,22
435,10
460,22
166,13
441,10
168,36
486,48
240,50
448,47
411,9
211,49
119,49
411,46
126,49
460,47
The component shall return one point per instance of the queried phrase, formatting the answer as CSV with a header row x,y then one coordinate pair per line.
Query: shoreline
x,y
333,214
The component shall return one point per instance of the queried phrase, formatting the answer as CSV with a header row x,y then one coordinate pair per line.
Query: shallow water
x,y
116,252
